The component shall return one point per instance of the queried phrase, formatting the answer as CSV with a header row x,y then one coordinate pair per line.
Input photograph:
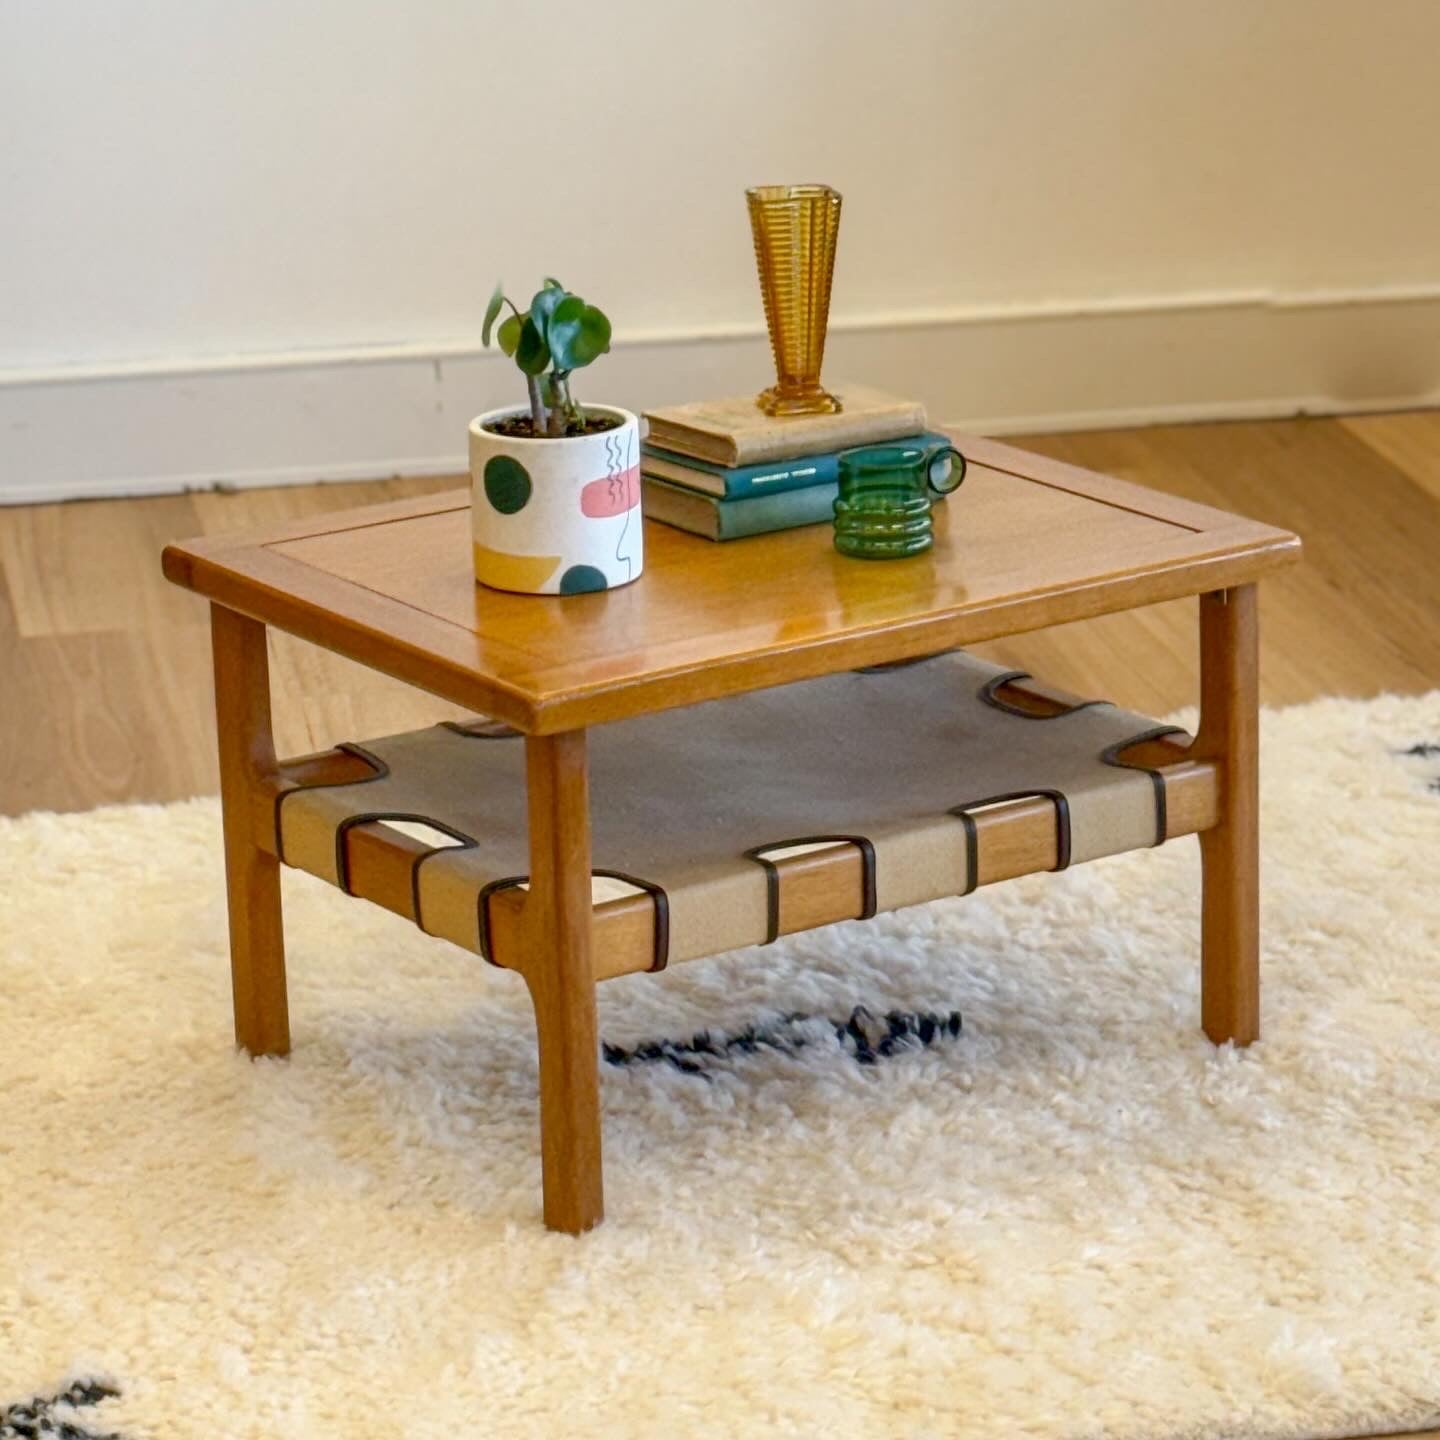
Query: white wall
x,y
219,219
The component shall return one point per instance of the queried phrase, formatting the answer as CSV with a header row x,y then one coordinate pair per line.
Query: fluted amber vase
x,y
795,229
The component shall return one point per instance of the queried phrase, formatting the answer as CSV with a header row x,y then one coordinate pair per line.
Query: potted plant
x,y
555,486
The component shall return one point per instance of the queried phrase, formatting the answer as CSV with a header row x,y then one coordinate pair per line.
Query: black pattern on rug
x,y
36,1419
1426,750
865,1037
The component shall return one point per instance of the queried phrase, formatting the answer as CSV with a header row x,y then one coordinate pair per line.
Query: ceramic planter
x,y
556,517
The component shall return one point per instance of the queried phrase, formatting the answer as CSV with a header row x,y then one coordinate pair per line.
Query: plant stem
x,y
559,414
537,405
573,413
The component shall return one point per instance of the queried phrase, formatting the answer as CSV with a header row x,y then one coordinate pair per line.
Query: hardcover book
x,y
734,431
745,481
718,519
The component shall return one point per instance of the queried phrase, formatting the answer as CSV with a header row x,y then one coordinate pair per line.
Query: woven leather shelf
x,y
730,823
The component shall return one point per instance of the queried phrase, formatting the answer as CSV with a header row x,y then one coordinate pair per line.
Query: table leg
x,y
1230,852
561,978
252,874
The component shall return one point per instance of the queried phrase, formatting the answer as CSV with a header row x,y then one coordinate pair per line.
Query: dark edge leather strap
x,y
380,768
661,952
657,893
868,889
482,906
481,729
972,851
342,859
772,895
469,844
1111,756
988,696
885,666
1062,828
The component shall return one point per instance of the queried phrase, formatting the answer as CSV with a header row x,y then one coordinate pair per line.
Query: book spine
x,y
813,505
750,480
840,432
717,519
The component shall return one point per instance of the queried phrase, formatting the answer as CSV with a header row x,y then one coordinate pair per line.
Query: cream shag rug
x,y
1073,1218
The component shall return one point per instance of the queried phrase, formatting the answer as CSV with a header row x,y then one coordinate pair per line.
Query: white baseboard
x,y
159,427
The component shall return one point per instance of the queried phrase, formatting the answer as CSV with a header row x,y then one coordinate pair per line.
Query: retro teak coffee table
x,y
597,819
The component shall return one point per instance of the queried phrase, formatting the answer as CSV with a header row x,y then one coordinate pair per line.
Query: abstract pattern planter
x,y
556,516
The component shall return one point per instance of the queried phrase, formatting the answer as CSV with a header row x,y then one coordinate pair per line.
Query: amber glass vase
x,y
795,229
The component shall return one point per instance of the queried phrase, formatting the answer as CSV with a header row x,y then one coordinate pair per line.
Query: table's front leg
x,y
561,976
1230,853
252,874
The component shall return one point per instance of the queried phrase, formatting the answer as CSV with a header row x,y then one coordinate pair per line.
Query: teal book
x,y
745,482
718,519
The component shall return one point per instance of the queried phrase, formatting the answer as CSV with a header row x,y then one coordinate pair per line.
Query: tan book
x,y
735,431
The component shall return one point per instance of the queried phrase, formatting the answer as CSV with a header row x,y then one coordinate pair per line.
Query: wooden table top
x,y
1025,543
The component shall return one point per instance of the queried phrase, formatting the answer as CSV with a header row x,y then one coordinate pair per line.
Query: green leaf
x,y
544,305
532,354
491,311
577,333
508,335
551,283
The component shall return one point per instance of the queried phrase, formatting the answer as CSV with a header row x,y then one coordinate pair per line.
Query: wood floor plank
x,y
1146,660
1362,614
101,717
225,510
1410,441
87,567
322,699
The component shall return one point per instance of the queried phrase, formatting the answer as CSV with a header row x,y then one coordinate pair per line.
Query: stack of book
x,y
724,469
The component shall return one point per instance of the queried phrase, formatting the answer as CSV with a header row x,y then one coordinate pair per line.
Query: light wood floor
x,y
104,668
